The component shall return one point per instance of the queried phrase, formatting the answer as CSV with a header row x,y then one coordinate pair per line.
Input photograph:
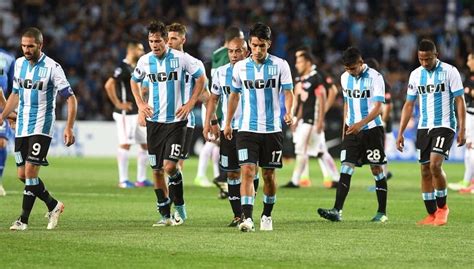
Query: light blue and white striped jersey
x,y
7,67
361,93
37,87
188,90
221,86
436,90
260,85
165,79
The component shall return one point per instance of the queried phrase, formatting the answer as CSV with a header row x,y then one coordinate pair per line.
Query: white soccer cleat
x,y
2,191
164,222
266,223
18,226
458,185
177,220
247,225
53,216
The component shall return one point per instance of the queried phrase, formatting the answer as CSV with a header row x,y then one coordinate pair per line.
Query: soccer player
x,y
438,86
259,79
363,135
220,56
37,81
310,115
467,184
220,90
126,118
7,63
176,40
166,112
325,160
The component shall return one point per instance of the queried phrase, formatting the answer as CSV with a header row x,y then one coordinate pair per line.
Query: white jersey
x,y
188,91
260,85
361,93
37,87
221,85
436,89
165,79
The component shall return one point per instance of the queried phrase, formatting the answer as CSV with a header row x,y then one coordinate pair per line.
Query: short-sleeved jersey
x,y
310,84
436,90
165,79
7,67
221,86
469,93
188,90
361,94
260,85
37,87
122,75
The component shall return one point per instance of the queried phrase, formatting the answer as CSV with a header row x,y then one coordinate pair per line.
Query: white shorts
x,y
128,130
469,128
307,140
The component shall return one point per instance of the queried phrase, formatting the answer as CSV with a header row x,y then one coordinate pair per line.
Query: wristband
x,y
214,122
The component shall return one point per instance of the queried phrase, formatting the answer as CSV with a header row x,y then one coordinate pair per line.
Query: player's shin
x,y
343,186
43,194
234,196
381,190
28,199
175,183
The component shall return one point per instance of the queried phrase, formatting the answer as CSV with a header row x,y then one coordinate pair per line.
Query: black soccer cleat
x,y
235,222
330,214
290,185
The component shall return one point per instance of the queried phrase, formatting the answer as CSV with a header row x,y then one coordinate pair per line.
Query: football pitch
x,y
107,227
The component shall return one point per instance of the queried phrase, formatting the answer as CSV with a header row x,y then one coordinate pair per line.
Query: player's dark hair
x,y
426,45
133,43
350,56
35,33
308,56
303,48
372,63
260,31
177,27
231,33
157,27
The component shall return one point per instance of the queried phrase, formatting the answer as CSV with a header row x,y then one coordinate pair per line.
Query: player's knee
x,y
268,174
157,174
170,168
247,172
376,170
233,174
425,172
435,167
125,146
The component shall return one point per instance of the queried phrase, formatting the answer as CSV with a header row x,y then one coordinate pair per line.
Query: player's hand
x,y
69,138
461,138
215,131
141,119
127,106
354,129
319,127
400,142
205,132
288,118
146,110
184,111
228,132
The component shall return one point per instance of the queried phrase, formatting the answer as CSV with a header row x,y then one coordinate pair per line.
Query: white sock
x,y
330,165
122,160
468,165
300,162
215,160
204,157
142,158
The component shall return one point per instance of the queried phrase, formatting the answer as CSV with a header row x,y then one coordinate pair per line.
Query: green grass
x,y
104,226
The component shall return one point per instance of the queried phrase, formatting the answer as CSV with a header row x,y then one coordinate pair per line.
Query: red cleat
x,y
441,216
428,220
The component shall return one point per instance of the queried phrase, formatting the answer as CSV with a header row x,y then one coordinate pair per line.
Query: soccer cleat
x,y
428,220
202,182
266,223
2,191
17,225
330,184
53,216
305,182
330,214
458,185
290,185
163,222
235,222
127,184
181,210
247,225
223,188
144,183
467,190
176,220
441,216
380,217
389,175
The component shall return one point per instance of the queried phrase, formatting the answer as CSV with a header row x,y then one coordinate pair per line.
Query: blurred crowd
x,y
88,37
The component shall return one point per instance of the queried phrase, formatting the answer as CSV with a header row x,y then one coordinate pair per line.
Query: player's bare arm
x,y
331,98
355,128
461,113
143,107
288,118
407,111
210,115
112,94
234,99
10,106
184,111
321,94
69,138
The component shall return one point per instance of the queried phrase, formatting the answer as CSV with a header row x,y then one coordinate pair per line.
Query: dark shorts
x,y
186,148
32,149
366,147
165,141
437,140
228,160
262,149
